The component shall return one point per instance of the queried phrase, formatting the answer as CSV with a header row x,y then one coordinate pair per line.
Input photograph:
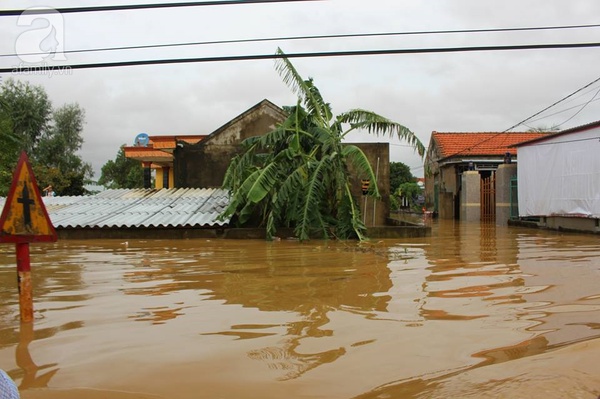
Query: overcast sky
x,y
471,91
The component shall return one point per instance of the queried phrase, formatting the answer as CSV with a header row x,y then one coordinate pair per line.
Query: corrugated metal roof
x,y
123,208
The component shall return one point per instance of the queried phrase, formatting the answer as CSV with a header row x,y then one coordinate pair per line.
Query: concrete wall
x,y
224,233
448,181
504,174
446,205
560,223
470,202
203,165
192,169
429,191
370,207
448,188
571,224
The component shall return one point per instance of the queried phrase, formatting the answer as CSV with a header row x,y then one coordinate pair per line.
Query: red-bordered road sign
x,y
24,217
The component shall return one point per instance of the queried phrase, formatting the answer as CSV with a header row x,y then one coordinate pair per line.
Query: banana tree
x,y
298,174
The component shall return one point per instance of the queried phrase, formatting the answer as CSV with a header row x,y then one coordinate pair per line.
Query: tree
x,y
51,138
123,172
30,111
10,150
399,174
56,153
544,129
411,191
297,175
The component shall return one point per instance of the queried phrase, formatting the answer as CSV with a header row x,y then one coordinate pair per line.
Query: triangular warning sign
x,y
24,217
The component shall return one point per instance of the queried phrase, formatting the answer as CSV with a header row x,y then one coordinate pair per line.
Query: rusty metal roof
x,y
142,208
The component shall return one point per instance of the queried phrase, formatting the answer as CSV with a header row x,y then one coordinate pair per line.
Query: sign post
x,y
24,219
24,281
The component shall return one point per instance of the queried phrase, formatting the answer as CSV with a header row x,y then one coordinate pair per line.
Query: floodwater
x,y
472,311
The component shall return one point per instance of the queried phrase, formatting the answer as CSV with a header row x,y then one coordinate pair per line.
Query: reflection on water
x,y
29,370
244,319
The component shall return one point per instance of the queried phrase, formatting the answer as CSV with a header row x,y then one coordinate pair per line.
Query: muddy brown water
x,y
472,311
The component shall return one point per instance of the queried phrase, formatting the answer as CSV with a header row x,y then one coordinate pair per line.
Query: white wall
x,y
561,175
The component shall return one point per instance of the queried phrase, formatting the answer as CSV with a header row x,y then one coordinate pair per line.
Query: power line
x,y
561,111
581,94
29,69
525,120
552,105
312,37
595,139
581,109
69,10
404,145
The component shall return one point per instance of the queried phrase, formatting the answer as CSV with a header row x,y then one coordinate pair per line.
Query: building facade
x,y
203,164
460,172
156,153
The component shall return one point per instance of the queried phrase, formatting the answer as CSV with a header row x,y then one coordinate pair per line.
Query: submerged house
x,y
201,161
187,200
455,158
203,164
559,179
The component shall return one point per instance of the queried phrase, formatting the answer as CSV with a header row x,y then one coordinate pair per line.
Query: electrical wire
x,y
27,69
405,145
524,120
561,111
552,105
579,95
125,7
581,109
596,139
313,37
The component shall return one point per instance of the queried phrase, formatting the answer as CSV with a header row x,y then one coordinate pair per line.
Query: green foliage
x,y
297,175
394,203
399,174
410,190
30,111
56,152
51,138
10,150
123,172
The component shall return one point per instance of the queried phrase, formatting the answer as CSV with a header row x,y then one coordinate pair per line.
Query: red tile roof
x,y
481,144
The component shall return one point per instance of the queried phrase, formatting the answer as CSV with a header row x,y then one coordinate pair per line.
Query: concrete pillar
x,y
470,201
503,175
165,177
446,205
147,174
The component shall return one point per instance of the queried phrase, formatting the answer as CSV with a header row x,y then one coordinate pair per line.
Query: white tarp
x,y
561,175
